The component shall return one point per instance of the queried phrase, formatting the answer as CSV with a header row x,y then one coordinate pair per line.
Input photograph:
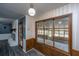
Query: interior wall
x,y
67,9
30,27
11,41
5,28
6,35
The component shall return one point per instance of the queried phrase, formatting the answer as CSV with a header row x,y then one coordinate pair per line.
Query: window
x,y
54,32
40,32
61,33
48,32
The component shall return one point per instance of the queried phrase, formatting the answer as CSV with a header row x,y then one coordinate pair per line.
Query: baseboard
x,y
28,50
24,50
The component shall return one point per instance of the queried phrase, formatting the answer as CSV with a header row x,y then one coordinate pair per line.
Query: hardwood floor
x,y
75,52
49,51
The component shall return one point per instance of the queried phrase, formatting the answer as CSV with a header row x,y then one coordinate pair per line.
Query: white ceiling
x,y
12,10
17,10
44,7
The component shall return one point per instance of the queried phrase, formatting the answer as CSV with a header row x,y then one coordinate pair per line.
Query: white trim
x,y
24,50
38,52
28,50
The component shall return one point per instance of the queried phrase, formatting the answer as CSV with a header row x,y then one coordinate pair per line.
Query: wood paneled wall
x,y
30,43
47,50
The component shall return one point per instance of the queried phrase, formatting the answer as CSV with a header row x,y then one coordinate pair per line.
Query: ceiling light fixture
x,y
60,22
31,10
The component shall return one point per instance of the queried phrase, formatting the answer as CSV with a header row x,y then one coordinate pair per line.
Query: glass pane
x,y
40,32
40,39
61,46
40,24
49,32
56,33
66,34
61,23
49,42
61,33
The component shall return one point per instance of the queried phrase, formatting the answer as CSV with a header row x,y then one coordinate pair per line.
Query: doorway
x,y
21,32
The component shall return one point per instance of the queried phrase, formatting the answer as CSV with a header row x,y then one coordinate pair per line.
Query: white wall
x,y
30,27
8,36
7,20
70,8
5,36
11,41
